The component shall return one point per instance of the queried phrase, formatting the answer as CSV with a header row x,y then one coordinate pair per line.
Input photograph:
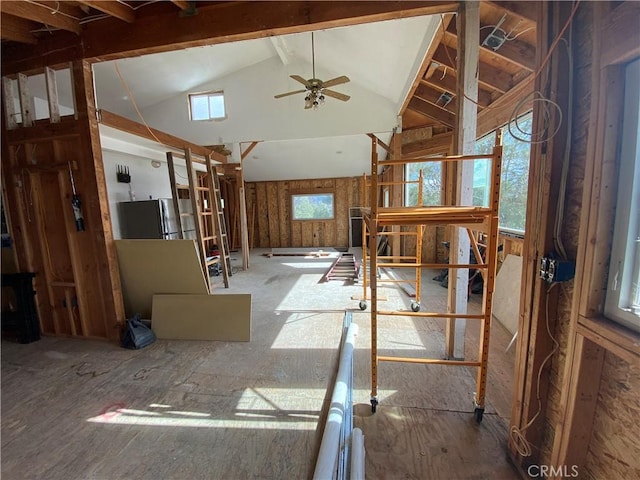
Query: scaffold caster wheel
x,y
374,404
363,305
415,307
478,412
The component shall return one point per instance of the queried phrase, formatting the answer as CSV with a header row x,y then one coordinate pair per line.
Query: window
x,y
207,106
431,183
312,206
515,176
623,290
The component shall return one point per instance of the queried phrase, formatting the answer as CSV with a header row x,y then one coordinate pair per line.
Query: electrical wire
x,y
508,38
54,11
520,442
557,231
135,105
542,64
534,137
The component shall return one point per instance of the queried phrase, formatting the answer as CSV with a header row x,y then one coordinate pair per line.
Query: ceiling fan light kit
x,y
315,88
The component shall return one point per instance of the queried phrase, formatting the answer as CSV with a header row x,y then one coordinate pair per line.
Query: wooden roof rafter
x,y
43,13
116,9
515,51
17,29
501,73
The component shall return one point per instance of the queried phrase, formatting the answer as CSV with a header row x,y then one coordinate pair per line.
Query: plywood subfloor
x,y
75,409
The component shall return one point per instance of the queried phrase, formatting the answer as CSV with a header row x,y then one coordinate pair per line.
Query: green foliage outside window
x,y
313,207
515,176
431,183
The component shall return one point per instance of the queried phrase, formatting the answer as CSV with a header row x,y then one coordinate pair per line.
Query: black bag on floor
x,y
136,334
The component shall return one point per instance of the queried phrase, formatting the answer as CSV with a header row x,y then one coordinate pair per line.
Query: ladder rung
x,y
180,186
189,214
202,189
204,239
206,214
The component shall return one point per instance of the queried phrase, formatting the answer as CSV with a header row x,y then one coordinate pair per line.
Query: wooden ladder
x,y
219,224
206,210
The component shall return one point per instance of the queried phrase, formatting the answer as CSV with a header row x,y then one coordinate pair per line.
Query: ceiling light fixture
x,y
315,89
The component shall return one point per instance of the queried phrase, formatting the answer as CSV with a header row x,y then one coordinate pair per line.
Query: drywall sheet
x,y
224,317
148,267
506,300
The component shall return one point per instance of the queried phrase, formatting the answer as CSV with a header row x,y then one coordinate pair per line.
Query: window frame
x,y
208,94
293,195
505,134
618,305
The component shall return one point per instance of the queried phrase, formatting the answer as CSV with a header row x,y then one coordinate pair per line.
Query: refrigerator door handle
x,y
163,220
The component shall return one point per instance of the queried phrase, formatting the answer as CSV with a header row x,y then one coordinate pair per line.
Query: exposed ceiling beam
x,y
17,29
380,143
129,126
515,51
524,10
431,95
426,63
182,5
499,112
214,23
41,14
432,111
244,154
435,145
64,8
115,9
488,75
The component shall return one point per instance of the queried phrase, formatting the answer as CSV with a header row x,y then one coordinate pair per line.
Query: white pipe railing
x,y
333,458
357,455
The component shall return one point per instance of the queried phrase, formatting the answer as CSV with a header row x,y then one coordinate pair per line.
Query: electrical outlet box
x,y
555,270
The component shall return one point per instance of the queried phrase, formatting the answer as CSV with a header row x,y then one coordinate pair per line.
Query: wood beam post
x,y
397,191
52,95
468,26
531,384
97,245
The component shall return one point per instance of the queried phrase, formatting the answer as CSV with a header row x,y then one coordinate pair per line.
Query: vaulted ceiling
x,y
409,68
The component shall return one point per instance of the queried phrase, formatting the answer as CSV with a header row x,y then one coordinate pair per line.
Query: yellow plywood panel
x,y
202,317
148,267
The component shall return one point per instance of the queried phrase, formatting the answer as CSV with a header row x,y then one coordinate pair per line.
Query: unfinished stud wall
x,y
582,46
269,213
77,281
616,429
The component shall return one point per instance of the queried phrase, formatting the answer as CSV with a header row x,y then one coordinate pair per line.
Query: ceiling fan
x,y
315,88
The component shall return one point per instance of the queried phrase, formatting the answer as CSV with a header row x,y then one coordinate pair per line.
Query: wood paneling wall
x,y
269,213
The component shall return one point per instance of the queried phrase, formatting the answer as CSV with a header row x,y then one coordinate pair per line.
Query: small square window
x,y
207,106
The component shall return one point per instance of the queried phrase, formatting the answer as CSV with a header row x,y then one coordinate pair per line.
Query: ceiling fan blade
x,y
288,93
300,79
336,81
338,95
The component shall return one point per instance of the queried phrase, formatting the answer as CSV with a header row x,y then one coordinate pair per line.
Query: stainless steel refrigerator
x,y
154,219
